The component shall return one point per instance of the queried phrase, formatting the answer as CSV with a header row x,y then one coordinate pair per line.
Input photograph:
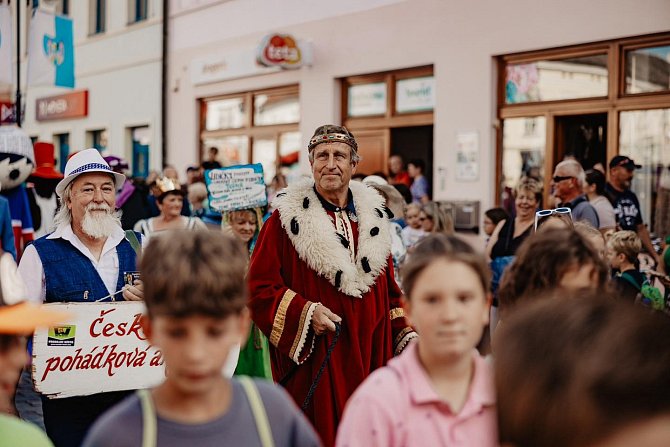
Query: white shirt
x,y
32,271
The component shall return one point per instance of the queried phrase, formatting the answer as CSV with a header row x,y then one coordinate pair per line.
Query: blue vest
x,y
71,277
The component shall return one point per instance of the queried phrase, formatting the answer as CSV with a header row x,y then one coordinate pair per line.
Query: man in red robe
x,y
323,257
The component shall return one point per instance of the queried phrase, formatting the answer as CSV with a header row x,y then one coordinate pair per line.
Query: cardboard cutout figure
x,y
16,163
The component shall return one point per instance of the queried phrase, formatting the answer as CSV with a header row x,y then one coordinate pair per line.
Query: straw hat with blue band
x,y
85,162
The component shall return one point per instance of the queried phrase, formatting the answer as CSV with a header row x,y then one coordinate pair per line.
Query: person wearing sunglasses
x,y
627,209
568,183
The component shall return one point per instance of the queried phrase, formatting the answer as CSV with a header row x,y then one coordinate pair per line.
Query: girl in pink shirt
x,y
439,391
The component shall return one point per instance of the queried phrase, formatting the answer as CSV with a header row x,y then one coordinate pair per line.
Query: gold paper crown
x,y
166,184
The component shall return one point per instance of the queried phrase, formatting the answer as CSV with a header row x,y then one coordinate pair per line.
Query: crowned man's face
x,y
332,167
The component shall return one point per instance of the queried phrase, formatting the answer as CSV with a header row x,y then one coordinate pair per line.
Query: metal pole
x,y
164,83
18,64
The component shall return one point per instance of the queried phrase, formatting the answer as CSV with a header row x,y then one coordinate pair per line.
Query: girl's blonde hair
x,y
441,217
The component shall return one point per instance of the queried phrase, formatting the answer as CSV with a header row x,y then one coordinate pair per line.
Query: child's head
x,y
554,258
446,290
590,371
195,293
492,217
438,218
194,272
623,248
593,235
412,216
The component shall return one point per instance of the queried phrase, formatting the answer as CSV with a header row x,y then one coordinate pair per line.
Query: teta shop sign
x,y
280,50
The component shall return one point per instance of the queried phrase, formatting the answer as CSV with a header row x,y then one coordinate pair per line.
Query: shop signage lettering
x,y
70,105
102,348
415,94
236,187
279,50
245,63
367,99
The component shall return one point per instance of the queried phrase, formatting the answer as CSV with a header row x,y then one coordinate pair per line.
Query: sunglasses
x,y
560,178
562,211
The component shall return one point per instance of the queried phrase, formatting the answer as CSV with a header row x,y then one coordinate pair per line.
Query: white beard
x,y
98,225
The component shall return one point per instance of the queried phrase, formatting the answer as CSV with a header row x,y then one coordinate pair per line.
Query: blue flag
x,y
50,50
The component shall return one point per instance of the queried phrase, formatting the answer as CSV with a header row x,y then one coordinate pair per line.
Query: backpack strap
x,y
131,237
258,410
630,280
149,424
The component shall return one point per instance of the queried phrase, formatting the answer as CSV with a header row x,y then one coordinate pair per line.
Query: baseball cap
x,y
17,316
626,162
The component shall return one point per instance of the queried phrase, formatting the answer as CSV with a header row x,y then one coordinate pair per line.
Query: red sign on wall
x,y
69,105
279,50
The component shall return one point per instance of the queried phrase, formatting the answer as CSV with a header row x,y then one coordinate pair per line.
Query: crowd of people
x,y
361,315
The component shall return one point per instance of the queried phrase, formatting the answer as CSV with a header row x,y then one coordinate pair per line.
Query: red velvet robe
x,y
283,288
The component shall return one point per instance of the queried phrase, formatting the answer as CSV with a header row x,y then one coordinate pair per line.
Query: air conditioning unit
x,y
465,214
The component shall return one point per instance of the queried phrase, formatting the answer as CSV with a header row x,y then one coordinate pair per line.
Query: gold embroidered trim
x,y
396,312
403,339
301,335
280,317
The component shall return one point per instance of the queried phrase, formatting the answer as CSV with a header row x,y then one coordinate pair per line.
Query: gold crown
x,y
166,184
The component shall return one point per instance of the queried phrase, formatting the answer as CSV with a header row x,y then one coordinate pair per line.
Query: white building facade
x,y
116,103
428,79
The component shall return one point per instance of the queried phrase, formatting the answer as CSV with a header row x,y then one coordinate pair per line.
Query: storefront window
x,y
551,80
648,70
244,137
524,140
233,150
225,114
265,153
276,108
415,94
367,99
290,146
645,137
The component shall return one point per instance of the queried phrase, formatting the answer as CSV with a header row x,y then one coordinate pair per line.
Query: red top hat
x,y
44,161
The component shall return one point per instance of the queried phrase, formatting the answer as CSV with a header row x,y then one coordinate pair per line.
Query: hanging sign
x,y
236,187
101,348
7,113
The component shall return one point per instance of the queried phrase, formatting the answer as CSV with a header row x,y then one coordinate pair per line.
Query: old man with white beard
x,y
84,261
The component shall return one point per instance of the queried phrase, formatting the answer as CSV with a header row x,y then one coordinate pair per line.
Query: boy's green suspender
x,y
150,429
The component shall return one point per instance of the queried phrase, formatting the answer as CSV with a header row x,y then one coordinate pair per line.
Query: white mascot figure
x,y
17,161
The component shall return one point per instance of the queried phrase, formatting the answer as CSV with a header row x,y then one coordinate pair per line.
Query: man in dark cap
x,y
626,205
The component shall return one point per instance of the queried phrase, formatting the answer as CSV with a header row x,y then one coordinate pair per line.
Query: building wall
x,y
460,39
121,69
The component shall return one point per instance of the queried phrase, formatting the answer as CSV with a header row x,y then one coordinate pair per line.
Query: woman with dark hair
x,y
420,188
582,370
551,259
491,219
594,188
